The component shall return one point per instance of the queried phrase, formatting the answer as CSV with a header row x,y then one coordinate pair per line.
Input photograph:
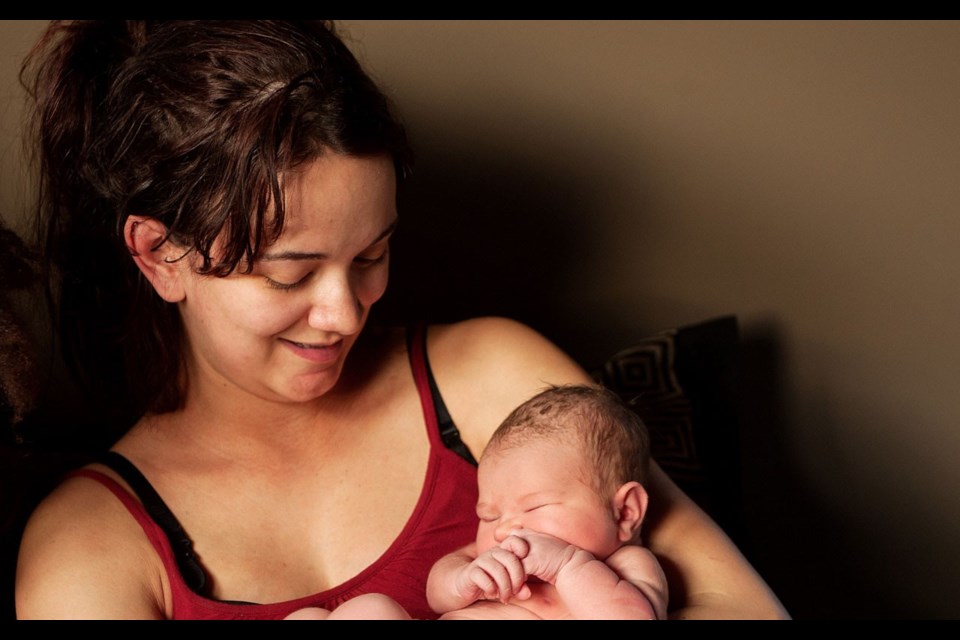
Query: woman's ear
x,y
158,260
629,508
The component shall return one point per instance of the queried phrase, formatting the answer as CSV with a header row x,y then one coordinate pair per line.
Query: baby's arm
x,y
459,579
631,586
640,567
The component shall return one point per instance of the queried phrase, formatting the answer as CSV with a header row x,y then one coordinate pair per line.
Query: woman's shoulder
x,y
487,339
80,550
477,343
487,366
498,348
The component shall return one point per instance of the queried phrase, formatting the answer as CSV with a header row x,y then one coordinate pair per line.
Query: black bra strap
x,y
193,574
448,430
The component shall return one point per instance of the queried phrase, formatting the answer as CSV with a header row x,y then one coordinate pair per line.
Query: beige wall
x,y
16,37
602,180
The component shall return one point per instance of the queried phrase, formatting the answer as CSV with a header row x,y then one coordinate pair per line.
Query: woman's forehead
x,y
338,196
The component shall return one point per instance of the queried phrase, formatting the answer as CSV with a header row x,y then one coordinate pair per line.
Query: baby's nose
x,y
506,527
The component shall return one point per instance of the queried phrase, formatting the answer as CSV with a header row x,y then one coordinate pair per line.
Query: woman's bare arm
x,y
487,366
83,557
709,578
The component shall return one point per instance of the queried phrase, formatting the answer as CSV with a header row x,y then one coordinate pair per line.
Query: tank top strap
x,y
190,568
156,535
435,412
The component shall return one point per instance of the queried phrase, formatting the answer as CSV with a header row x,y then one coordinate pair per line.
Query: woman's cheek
x,y
372,286
269,314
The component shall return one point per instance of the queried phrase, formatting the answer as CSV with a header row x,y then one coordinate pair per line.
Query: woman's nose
x,y
335,307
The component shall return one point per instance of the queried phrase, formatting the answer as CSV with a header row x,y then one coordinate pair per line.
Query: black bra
x,y
448,430
190,568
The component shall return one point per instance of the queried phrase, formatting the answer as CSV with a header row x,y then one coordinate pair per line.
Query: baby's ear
x,y
158,260
629,508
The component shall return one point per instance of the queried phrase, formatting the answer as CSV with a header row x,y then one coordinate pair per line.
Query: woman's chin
x,y
308,387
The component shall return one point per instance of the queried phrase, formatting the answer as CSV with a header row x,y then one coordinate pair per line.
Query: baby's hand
x,y
543,555
496,574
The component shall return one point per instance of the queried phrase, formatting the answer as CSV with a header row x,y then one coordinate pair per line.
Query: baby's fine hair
x,y
612,436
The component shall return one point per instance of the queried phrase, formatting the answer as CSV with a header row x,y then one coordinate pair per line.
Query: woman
x,y
217,205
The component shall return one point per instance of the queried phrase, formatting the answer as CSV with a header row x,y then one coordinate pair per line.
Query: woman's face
x,y
283,331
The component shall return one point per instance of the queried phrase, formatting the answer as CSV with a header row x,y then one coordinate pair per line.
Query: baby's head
x,y
570,461
611,438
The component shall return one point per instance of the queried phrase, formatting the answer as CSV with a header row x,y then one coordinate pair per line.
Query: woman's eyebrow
x,y
308,255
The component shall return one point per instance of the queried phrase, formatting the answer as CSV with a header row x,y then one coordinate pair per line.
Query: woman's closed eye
x,y
285,286
371,260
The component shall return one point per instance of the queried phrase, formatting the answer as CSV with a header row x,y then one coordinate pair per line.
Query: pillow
x,y
682,383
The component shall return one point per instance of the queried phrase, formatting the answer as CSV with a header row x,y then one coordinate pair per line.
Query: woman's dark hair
x,y
190,123
18,374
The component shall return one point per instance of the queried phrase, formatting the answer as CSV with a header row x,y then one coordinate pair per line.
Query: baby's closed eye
x,y
486,516
541,506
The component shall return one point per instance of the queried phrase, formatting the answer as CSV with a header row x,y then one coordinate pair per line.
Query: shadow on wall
x,y
820,563
479,236
485,232
482,234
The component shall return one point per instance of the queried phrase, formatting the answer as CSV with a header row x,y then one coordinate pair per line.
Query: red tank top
x,y
443,520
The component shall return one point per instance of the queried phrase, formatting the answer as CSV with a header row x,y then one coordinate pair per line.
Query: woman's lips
x,y
315,352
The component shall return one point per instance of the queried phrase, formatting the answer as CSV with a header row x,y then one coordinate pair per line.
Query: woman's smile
x,y
315,352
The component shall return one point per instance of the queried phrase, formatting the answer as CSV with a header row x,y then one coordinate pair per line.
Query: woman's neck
x,y
227,421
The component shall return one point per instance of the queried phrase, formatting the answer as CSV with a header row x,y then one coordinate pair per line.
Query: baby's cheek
x,y
485,539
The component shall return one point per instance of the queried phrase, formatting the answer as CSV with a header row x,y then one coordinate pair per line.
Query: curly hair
x,y
18,375
192,123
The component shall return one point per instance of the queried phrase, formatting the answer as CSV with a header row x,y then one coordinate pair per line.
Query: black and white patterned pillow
x,y
682,383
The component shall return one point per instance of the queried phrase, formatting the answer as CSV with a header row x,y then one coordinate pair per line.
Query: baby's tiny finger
x,y
516,545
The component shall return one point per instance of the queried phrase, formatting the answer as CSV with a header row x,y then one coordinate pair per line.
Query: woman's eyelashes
x,y
285,275
369,261
283,286
361,262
